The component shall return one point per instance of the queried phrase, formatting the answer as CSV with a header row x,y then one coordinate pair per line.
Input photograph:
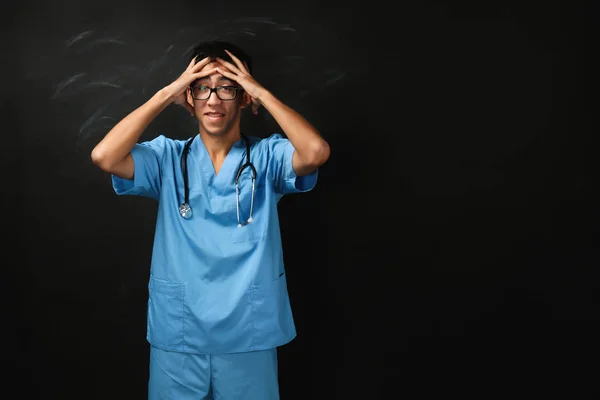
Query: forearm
x,y
119,141
305,138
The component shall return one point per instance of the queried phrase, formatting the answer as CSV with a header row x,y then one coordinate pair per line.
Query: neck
x,y
219,146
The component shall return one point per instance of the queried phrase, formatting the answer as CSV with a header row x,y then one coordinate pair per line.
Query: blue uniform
x,y
216,288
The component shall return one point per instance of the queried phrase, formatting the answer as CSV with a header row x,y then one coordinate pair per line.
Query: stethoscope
x,y
186,211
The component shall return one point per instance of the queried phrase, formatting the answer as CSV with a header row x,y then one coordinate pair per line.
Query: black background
x,y
450,247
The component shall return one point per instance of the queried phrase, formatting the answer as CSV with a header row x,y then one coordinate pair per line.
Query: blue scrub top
x,y
214,287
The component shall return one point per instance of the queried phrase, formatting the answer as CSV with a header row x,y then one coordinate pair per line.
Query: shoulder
x,y
268,144
164,145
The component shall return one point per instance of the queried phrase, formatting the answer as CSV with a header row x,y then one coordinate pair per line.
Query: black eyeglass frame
x,y
215,89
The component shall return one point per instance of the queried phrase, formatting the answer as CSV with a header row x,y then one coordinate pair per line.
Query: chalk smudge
x,y
60,86
77,38
101,41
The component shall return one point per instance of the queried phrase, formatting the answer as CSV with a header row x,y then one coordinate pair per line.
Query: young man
x,y
218,304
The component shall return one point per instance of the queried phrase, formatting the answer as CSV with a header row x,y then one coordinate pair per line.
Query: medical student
x,y
218,304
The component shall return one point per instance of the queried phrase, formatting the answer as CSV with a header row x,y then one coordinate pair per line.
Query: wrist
x,y
264,96
165,95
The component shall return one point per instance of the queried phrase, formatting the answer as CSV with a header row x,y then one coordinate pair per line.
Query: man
x,y
218,304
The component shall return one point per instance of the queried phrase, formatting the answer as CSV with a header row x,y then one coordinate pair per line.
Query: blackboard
x,y
450,245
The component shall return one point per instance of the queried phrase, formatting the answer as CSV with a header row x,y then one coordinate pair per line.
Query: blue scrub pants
x,y
183,376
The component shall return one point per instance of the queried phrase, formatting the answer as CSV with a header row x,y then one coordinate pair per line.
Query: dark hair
x,y
217,48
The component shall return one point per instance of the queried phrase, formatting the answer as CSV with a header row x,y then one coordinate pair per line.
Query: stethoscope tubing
x,y
184,208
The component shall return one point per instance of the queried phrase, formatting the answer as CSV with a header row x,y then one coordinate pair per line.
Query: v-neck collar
x,y
217,182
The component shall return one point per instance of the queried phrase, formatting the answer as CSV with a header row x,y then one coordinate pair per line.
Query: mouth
x,y
214,115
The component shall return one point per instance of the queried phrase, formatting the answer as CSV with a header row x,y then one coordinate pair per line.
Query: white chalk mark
x,y
107,40
95,116
102,41
108,82
188,50
88,132
87,127
102,83
257,20
338,77
155,64
60,86
105,117
77,38
161,60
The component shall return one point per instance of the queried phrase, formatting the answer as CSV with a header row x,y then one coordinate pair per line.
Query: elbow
x,y
319,154
100,159
322,152
96,156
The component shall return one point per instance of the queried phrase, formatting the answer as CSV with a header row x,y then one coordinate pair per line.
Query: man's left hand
x,y
240,74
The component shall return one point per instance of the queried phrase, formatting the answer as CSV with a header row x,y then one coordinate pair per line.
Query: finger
x,y
237,61
202,74
255,106
191,64
227,74
200,64
229,65
194,62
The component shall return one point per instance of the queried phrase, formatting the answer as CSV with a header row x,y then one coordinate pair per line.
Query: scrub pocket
x,y
272,315
165,314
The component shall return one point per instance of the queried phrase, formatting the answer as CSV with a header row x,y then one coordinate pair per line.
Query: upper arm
x,y
140,172
302,168
288,172
125,168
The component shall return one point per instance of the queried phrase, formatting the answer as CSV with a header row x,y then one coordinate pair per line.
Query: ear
x,y
190,100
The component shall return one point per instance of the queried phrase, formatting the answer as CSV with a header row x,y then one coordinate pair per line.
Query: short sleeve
x,y
280,167
147,160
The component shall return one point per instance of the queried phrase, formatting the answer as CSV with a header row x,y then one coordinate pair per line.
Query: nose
x,y
213,99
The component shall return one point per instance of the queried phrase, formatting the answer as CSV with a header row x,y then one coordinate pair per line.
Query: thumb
x,y
255,106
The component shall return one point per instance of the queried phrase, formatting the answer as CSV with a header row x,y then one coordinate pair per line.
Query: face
x,y
218,117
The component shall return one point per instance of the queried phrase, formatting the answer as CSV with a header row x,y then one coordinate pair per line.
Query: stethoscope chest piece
x,y
185,210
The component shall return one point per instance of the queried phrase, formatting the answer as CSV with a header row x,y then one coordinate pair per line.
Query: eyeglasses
x,y
202,92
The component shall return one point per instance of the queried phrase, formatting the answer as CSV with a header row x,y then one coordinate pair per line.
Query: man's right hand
x,y
113,153
178,89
